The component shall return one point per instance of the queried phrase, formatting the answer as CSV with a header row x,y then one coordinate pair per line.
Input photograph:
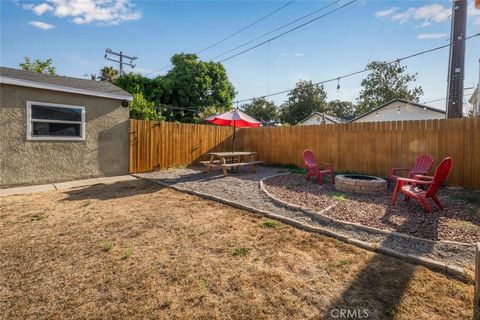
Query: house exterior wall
x,y
315,119
104,152
407,112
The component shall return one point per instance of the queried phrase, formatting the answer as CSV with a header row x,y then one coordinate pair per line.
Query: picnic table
x,y
231,160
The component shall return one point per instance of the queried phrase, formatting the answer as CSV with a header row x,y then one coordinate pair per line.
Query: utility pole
x,y
121,56
456,64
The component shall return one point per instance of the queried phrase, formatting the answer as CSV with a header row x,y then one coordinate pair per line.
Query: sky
x,y
75,34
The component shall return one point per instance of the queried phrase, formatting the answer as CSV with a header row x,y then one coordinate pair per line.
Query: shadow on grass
x,y
377,290
121,189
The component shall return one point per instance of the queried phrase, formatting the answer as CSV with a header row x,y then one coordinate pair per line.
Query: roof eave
x,y
320,114
55,87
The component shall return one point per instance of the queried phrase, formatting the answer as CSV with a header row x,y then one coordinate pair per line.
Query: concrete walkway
x,y
64,185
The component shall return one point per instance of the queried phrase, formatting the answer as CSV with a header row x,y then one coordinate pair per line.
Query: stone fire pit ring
x,y
359,183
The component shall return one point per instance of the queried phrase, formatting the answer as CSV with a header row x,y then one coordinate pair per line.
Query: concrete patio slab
x,y
64,185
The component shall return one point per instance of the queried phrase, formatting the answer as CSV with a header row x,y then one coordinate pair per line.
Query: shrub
x,y
141,109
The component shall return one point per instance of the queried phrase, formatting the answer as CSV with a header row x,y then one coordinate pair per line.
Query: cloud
x,y
424,36
428,14
41,25
41,8
386,12
107,12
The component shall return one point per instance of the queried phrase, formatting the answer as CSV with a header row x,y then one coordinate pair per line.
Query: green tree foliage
x,y
384,83
136,83
193,85
39,66
341,109
262,110
191,90
141,109
302,101
108,73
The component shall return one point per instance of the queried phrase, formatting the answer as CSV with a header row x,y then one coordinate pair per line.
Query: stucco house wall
x,y
407,112
104,152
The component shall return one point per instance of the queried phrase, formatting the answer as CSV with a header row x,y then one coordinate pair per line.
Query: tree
x,y
192,85
108,74
141,109
384,83
136,83
39,66
303,101
341,109
191,90
262,110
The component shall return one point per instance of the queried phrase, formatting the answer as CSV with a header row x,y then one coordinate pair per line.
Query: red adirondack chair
x,y
421,166
410,189
313,168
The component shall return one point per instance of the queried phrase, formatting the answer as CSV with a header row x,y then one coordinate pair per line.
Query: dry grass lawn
x,y
135,250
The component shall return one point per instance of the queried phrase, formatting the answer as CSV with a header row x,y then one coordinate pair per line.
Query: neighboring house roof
x,y
316,113
30,79
414,104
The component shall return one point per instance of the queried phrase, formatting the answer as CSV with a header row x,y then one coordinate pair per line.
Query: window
x,y
49,121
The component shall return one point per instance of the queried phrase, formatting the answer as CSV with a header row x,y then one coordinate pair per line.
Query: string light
x,y
338,83
399,66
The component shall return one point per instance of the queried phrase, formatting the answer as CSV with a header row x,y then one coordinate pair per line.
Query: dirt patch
x,y
135,250
459,221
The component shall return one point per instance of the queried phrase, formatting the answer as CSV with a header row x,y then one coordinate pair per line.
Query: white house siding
x,y
315,119
407,112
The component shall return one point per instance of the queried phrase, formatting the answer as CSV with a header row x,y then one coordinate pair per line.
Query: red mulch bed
x,y
459,221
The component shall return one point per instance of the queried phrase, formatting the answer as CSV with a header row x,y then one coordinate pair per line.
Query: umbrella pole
x,y
233,142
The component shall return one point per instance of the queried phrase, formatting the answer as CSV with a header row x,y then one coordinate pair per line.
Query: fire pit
x,y
360,183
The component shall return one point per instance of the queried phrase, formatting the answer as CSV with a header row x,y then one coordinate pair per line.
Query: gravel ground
x,y
244,188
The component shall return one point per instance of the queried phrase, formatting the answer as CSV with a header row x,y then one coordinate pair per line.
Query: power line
x,y
443,99
274,30
235,33
245,28
361,71
288,31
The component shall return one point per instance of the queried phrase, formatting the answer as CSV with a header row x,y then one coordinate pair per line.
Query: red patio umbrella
x,y
234,118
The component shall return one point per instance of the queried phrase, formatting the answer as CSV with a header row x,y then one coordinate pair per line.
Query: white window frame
x,y
30,136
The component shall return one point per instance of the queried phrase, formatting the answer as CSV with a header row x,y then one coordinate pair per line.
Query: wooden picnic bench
x,y
231,160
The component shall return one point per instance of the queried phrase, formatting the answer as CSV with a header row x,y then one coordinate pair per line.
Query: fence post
x,y
476,299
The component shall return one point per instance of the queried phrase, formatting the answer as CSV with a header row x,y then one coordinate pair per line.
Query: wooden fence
x,y
371,148
374,147
158,145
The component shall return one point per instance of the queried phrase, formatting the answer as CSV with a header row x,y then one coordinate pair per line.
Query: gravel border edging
x,y
321,217
454,271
